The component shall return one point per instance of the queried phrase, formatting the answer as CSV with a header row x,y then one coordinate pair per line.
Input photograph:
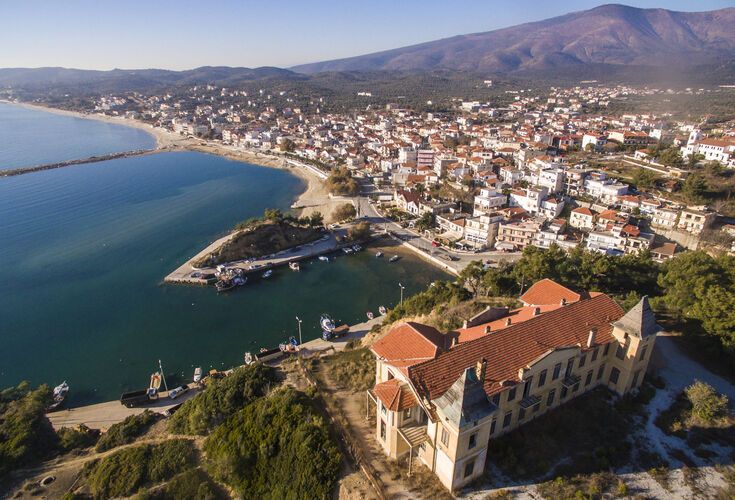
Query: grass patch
x,y
585,435
126,471
127,431
79,438
352,370
192,484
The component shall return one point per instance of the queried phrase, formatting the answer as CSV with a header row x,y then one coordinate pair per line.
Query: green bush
x,y
352,369
192,484
222,398
81,437
707,404
125,471
126,431
276,447
26,435
440,292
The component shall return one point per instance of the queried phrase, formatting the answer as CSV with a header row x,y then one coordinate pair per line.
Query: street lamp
x,y
402,288
297,319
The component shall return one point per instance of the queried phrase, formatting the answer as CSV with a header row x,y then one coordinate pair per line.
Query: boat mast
x,y
163,377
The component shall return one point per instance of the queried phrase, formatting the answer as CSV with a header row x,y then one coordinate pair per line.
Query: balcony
x,y
571,380
529,401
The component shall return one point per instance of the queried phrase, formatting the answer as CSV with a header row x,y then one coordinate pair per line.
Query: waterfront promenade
x,y
102,415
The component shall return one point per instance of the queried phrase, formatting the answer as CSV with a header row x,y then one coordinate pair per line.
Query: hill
x,y
607,35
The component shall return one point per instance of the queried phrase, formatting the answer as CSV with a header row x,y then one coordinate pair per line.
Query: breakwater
x,y
80,161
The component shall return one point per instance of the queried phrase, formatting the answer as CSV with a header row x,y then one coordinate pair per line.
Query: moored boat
x,y
268,274
249,359
356,248
394,258
197,374
326,323
347,250
294,266
324,258
59,395
382,310
379,255
224,285
370,315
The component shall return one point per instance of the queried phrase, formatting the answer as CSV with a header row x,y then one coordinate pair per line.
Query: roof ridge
x,y
410,325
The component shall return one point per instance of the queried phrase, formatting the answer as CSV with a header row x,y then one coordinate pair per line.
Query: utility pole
x,y
163,377
402,288
297,319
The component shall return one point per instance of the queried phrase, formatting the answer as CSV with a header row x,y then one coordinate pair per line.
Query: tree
x,y
425,222
643,178
707,404
537,264
686,278
345,212
694,188
340,182
316,219
273,214
671,157
359,231
287,146
471,277
716,310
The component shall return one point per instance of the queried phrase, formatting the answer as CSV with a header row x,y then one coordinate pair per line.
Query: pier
x,y
81,161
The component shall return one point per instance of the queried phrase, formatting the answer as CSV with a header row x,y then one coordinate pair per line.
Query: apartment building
x,y
482,231
582,218
441,398
518,235
695,221
487,201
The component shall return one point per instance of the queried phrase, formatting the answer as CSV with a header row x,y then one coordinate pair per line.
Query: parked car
x,y
175,393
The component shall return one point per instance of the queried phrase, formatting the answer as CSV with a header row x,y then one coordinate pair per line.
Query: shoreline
x,y
315,198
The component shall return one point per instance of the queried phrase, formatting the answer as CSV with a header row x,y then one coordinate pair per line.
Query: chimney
x,y
464,324
521,372
454,341
508,322
591,338
536,311
488,328
480,369
563,301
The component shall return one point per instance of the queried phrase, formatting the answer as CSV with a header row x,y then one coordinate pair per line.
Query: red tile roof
x,y
547,292
515,316
395,395
516,346
583,211
409,343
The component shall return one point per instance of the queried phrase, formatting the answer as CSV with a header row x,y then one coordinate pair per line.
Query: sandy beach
x,y
314,199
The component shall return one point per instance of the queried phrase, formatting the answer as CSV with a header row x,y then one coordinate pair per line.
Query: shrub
x,y
126,431
81,437
276,447
26,435
125,471
221,398
346,211
707,404
359,232
352,369
192,484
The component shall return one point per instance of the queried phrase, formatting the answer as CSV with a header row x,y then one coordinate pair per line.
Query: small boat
x,y
249,359
197,374
294,266
394,258
268,274
347,250
326,323
356,248
382,310
379,255
324,258
155,381
59,396
326,335
291,346
370,315
224,285
239,280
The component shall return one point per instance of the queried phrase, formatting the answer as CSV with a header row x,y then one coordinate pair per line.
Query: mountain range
x,y
609,34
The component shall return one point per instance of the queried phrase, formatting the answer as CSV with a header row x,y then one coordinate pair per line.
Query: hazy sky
x,y
180,34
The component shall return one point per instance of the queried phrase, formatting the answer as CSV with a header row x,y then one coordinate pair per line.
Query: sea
x,y
84,250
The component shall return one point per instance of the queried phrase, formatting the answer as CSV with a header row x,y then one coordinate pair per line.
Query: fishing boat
x,y
294,266
378,255
324,258
394,258
326,323
291,346
59,396
268,274
382,310
249,359
370,315
197,374
224,285
155,381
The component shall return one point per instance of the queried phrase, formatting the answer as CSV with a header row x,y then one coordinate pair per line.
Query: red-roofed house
x,y
582,218
442,404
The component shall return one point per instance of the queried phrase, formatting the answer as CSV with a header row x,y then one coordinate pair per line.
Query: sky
x,y
184,34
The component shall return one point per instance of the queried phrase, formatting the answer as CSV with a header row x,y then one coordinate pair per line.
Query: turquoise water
x,y
84,249
30,137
